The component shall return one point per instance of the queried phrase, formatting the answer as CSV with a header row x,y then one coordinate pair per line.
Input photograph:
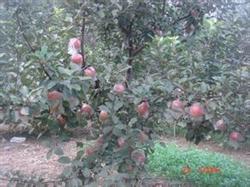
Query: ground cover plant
x,y
118,70
200,167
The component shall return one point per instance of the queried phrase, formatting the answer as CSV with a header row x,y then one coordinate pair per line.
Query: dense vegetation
x,y
125,71
200,167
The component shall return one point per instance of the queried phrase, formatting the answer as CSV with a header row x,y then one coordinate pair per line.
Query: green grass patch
x,y
170,161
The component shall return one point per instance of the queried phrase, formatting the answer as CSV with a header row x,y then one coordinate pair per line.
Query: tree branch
x,y
179,19
130,52
82,40
32,49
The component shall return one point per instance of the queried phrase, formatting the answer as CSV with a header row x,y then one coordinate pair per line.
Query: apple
x,y
89,151
177,105
54,95
77,59
90,72
235,136
75,43
121,142
143,109
61,120
119,88
86,109
196,110
103,116
220,125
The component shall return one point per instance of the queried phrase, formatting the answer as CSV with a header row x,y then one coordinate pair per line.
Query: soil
x,y
30,158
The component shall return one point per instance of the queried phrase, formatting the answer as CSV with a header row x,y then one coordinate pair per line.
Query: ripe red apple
x,y
89,151
61,120
54,95
138,156
196,110
75,43
77,59
103,116
235,136
90,72
86,109
143,109
121,142
177,105
220,125
119,88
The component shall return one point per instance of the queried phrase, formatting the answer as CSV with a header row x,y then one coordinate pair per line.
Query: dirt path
x,y
30,157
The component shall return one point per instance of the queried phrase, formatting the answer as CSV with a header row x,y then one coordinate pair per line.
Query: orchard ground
x,y
30,157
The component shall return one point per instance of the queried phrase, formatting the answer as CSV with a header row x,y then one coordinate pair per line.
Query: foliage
x,y
159,50
170,161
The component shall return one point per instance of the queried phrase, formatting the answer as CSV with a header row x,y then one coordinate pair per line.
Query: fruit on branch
x,y
77,59
121,142
138,156
75,42
103,116
61,120
143,109
54,95
235,136
220,125
196,110
89,151
119,88
86,110
74,46
177,105
90,72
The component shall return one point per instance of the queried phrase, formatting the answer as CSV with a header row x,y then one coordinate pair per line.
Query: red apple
x,y
77,59
75,43
119,88
177,105
103,116
89,151
196,110
86,109
54,95
220,125
143,109
121,142
90,72
235,136
61,120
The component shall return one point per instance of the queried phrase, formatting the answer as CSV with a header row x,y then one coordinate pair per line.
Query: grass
x,y
170,161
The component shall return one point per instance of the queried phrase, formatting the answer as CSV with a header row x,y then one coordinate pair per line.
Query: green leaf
x,y
58,151
132,122
67,172
65,71
64,160
107,130
118,105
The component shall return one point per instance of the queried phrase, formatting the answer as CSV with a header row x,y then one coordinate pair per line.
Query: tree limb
x,y
32,49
